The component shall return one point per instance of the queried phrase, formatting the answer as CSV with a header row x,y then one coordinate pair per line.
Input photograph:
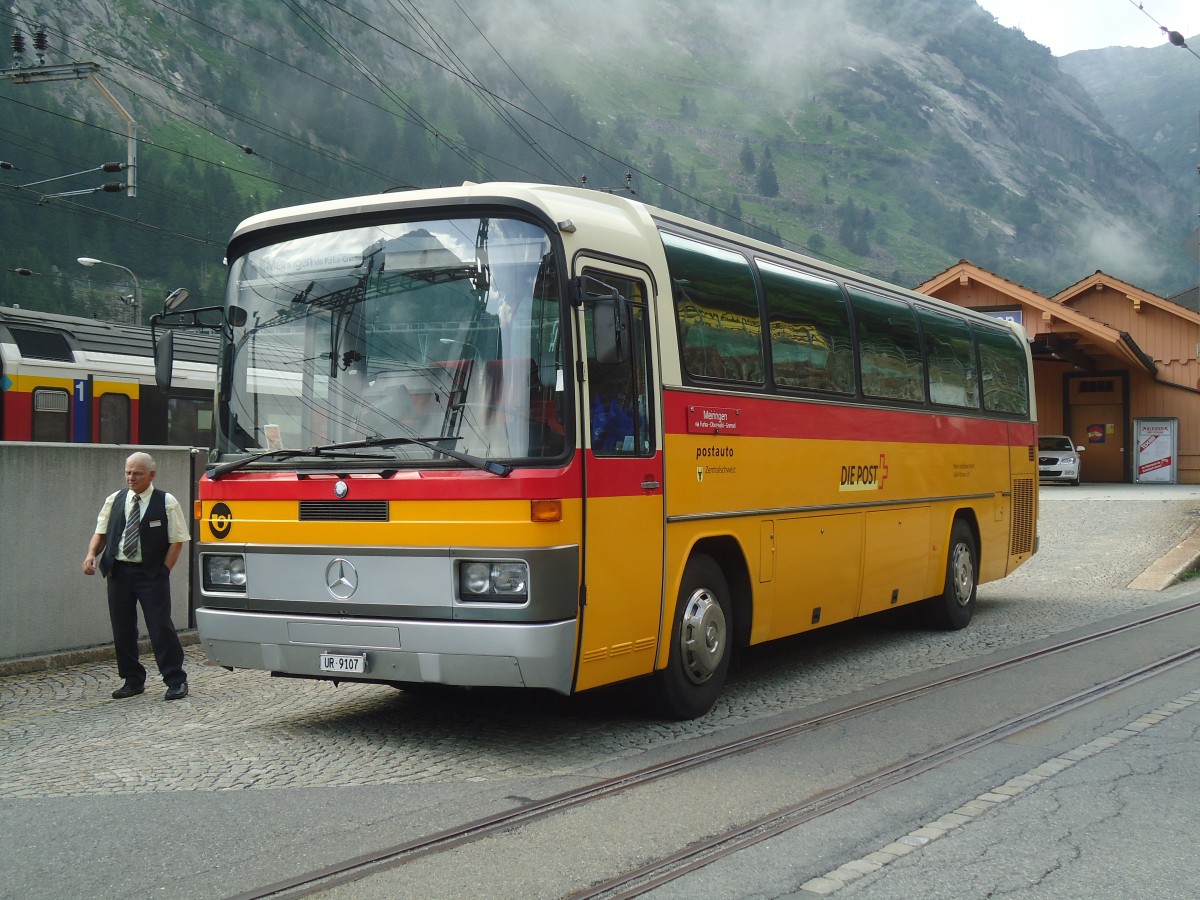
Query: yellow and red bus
x,y
539,436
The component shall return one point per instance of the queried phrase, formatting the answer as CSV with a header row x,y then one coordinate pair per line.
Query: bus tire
x,y
700,643
954,607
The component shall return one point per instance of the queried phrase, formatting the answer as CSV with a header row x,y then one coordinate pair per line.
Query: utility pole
x,y
76,71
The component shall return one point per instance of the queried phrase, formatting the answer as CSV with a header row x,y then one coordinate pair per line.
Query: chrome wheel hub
x,y
963,572
702,635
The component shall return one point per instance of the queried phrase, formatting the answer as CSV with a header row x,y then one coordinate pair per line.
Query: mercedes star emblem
x,y
341,579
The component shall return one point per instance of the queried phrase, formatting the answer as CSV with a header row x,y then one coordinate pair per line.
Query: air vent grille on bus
x,y
343,511
1031,453
1021,540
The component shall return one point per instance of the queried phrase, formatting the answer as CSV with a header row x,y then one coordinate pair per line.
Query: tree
x,y
625,130
662,167
768,183
732,219
748,163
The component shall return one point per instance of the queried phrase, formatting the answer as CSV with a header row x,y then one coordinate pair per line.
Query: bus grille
x,y
343,510
1021,539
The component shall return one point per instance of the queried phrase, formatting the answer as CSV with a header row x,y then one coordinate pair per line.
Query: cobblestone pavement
x,y
62,736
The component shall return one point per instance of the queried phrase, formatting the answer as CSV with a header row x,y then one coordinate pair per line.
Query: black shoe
x,y
176,693
128,689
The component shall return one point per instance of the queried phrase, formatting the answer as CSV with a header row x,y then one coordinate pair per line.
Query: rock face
x,y
1152,98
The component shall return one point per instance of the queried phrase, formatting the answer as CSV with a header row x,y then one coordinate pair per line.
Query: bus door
x,y
623,488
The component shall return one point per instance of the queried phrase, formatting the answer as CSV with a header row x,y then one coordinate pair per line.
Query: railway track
x,y
662,869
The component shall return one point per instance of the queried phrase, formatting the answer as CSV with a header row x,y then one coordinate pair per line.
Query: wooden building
x,y
1115,368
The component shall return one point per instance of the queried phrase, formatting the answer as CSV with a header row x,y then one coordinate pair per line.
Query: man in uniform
x,y
140,533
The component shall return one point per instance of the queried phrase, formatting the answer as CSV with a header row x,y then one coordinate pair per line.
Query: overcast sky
x,y
1069,25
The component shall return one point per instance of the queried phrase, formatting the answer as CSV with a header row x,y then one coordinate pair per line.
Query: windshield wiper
x,y
432,444
331,449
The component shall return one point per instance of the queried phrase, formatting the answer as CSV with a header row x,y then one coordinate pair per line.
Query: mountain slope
x,y
1152,98
897,136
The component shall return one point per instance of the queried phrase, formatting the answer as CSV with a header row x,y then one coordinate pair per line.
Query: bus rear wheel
x,y
954,607
700,643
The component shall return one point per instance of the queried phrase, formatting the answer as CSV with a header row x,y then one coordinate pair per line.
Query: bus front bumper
x,y
396,650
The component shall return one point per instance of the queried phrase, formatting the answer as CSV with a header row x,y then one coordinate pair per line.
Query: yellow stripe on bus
x,y
417,523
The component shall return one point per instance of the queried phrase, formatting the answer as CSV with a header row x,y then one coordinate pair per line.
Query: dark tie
x,y
129,543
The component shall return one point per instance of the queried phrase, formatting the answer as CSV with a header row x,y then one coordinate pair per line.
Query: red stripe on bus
x,y
406,484
767,417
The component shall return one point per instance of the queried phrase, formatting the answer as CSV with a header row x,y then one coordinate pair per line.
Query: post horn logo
x,y
220,521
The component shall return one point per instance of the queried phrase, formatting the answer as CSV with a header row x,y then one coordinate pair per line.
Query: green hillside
x,y
895,136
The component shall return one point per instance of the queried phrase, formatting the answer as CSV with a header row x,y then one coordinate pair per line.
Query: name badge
x,y
156,523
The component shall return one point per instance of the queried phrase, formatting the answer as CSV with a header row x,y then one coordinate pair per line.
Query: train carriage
x,y
77,380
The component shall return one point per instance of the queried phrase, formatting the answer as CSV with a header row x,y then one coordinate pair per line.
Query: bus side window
x,y
950,353
717,311
1003,367
811,348
890,360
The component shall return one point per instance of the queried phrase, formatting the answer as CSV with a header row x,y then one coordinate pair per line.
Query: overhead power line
x,y
1173,36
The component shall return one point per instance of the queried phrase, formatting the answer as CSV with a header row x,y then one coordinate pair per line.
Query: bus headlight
x,y
504,582
224,572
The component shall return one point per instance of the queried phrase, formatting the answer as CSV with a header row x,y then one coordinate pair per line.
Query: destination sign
x,y
712,420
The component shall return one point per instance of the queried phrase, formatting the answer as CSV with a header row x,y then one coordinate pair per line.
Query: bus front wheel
x,y
954,607
700,635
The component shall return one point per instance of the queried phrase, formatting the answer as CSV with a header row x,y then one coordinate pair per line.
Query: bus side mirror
x,y
610,327
164,360
226,373
175,299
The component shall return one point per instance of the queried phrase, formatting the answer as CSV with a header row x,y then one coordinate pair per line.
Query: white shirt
x,y
177,530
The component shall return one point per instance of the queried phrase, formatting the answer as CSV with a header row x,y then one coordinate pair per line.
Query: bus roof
x,y
561,203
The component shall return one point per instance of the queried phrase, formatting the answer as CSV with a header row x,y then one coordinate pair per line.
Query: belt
x,y
125,562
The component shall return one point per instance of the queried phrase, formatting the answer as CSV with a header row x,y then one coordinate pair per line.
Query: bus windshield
x,y
416,343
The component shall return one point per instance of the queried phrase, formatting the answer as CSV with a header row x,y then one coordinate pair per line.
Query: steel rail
x,y
696,856
361,866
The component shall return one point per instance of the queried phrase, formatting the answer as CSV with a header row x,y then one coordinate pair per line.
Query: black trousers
x,y
128,585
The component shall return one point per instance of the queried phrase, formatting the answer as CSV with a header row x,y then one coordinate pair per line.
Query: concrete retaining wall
x,y
50,495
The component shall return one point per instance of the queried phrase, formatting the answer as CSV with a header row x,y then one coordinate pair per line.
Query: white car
x,y
1058,459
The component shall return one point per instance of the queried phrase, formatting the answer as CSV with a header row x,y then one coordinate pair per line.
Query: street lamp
x,y
137,288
